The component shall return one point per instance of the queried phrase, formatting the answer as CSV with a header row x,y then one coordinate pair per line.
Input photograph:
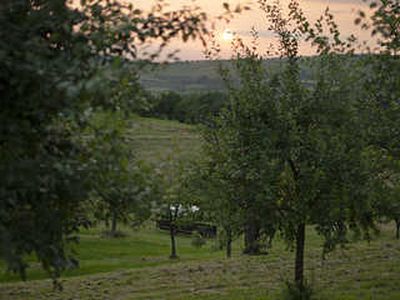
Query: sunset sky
x,y
344,11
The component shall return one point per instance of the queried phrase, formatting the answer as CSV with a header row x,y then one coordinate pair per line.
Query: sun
x,y
228,35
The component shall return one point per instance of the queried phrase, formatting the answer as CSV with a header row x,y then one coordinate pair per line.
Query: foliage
x,y
300,149
57,62
176,202
235,164
381,111
188,108
120,182
380,94
384,24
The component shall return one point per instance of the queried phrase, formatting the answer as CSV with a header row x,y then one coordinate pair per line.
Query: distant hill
x,y
183,77
190,76
201,76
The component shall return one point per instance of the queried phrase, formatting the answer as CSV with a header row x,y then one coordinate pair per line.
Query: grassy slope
x,y
137,266
143,271
154,139
139,249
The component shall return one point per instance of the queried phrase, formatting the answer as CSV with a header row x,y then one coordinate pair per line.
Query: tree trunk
x,y
251,237
299,263
114,223
397,220
106,223
228,243
173,242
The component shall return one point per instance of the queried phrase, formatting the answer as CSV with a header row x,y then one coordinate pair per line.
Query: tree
x,y
217,188
383,23
235,148
167,104
304,146
56,64
176,197
324,154
120,182
379,80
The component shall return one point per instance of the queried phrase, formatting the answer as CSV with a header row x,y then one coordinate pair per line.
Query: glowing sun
x,y
228,35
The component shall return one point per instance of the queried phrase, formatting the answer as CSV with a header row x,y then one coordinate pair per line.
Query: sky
x,y
345,12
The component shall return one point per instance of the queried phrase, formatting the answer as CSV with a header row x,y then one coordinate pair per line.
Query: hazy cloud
x,y
333,2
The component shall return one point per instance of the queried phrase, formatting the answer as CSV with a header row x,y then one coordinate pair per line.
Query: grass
x,y
142,248
154,139
137,267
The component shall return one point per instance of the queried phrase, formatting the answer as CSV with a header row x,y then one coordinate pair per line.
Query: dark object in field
x,y
205,230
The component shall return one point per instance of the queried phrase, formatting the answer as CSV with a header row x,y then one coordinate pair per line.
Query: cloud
x,y
330,2
261,33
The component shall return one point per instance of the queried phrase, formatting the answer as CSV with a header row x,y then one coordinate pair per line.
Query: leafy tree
x,y
380,82
188,108
381,112
56,63
383,23
325,180
167,105
120,182
218,191
235,147
301,149
176,202
203,106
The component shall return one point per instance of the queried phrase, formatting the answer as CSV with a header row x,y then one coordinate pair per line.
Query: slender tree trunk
x,y
114,223
397,220
299,262
228,243
172,230
251,237
106,223
300,241
173,242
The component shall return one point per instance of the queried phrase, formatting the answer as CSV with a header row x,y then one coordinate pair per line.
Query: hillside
x,y
154,139
200,76
183,77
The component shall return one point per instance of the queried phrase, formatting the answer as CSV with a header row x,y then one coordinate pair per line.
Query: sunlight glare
x,y
228,35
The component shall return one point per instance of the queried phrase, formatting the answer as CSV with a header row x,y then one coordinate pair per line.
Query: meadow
x,y
137,266
154,139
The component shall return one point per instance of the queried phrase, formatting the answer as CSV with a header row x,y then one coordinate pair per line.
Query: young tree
x,y
379,79
176,196
120,182
217,189
235,148
326,159
305,146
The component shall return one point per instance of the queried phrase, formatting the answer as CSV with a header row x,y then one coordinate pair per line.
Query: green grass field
x,y
137,266
154,139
